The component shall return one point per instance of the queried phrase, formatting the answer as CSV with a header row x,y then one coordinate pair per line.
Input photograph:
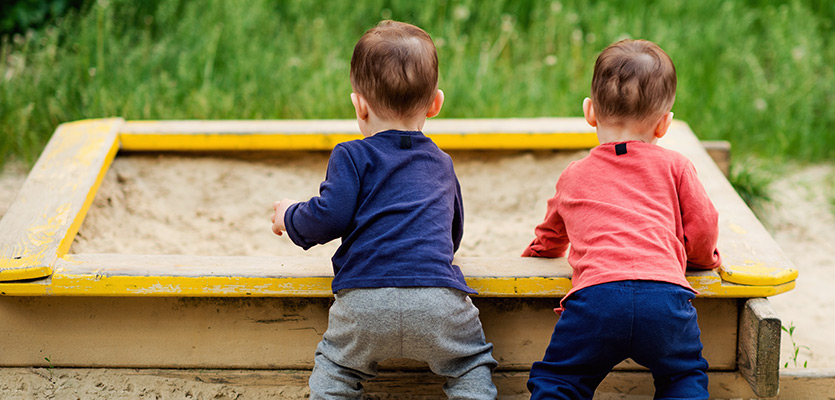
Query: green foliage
x,y
18,15
829,191
756,73
751,182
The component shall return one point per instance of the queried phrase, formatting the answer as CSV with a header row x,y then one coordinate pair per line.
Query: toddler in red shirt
x,y
636,217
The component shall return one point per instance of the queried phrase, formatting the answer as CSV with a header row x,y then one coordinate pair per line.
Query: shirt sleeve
x,y
700,221
329,215
551,238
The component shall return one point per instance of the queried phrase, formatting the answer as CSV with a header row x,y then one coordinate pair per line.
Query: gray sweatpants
x,y
437,325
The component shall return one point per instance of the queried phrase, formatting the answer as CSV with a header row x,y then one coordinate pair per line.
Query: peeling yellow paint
x,y
64,164
72,230
99,283
77,144
23,261
158,289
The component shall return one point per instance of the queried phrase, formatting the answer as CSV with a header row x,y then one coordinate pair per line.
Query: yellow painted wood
x,y
191,276
450,134
327,141
757,273
750,256
42,221
266,332
231,141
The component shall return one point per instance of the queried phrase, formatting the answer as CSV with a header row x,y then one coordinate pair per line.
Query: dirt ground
x,y
172,204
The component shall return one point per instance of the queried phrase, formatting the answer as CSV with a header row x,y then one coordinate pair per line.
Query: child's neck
x,y
373,125
609,134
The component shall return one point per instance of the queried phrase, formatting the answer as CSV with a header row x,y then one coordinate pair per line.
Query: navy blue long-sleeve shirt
x,y
395,201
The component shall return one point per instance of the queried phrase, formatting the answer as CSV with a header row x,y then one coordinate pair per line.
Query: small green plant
x,y
795,347
50,368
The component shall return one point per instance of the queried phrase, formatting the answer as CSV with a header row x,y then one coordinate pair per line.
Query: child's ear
x,y
663,125
588,112
360,106
436,105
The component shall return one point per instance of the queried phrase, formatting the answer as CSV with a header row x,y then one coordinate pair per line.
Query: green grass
x,y
757,73
751,180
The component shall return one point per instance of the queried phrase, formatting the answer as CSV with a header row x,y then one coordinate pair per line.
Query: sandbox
x,y
175,259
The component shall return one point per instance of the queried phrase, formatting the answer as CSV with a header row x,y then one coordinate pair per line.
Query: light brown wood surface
x,y
270,332
43,219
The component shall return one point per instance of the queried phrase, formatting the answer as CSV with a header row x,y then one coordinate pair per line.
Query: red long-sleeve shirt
x,y
631,211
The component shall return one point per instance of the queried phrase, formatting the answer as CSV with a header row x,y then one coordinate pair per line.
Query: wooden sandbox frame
x,y
234,314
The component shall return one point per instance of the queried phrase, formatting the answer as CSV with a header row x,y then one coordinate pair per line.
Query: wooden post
x,y
759,347
720,152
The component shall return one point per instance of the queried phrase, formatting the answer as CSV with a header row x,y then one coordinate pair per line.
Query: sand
x,y
802,221
174,204
212,205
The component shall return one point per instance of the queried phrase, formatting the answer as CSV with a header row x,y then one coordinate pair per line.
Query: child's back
x,y
636,216
627,215
399,213
395,202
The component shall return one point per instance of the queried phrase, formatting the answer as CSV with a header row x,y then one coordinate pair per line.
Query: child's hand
x,y
280,208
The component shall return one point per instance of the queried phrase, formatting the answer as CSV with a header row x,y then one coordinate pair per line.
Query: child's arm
x,y
329,215
700,221
551,239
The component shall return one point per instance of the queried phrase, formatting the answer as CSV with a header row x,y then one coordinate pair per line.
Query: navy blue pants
x,y
650,322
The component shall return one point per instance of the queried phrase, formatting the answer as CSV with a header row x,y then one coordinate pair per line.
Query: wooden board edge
x,y
759,346
24,273
161,141
757,274
72,230
48,235
88,275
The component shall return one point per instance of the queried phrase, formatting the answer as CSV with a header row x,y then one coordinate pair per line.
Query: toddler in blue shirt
x,y
394,200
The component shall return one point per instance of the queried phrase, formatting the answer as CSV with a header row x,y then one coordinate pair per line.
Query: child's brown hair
x,y
634,81
395,67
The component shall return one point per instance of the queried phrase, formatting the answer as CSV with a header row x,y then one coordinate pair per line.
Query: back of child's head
x,y
634,83
395,67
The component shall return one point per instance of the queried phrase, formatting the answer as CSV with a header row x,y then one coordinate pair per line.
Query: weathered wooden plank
x,y
42,221
759,347
750,255
267,332
449,134
239,276
802,384
720,152
208,276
